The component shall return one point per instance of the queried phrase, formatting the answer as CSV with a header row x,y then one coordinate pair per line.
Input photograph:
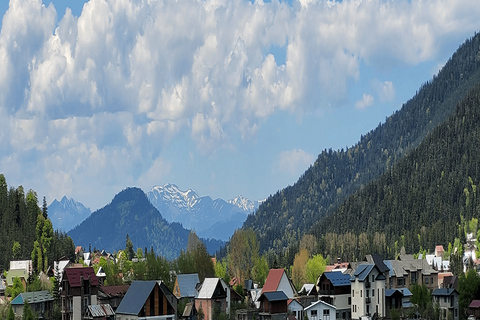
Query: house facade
x,y
273,305
79,290
147,300
40,302
334,289
368,292
321,310
447,300
213,297
277,280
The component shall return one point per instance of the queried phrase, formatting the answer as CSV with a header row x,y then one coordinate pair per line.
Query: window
x,y
349,300
361,293
326,314
373,278
353,293
426,280
373,292
313,314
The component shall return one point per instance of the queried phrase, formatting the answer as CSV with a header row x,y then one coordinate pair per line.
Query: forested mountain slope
x,y
284,217
425,197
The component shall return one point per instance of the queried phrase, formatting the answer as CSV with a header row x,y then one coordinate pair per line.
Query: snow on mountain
x,y
201,213
67,213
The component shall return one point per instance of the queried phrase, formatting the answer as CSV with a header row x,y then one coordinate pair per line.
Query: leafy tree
x,y
242,253
299,268
260,270
315,267
469,289
28,313
16,250
15,289
421,296
221,270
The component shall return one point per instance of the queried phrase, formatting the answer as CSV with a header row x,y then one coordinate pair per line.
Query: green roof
x,y
32,297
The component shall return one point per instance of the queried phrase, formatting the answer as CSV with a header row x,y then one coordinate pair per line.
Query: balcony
x,y
367,284
368,300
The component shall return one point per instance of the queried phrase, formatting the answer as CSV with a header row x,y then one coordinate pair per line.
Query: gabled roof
x,y
273,280
443,292
73,276
114,291
133,301
338,279
32,297
320,302
475,304
399,291
208,287
274,296
362,272
311,289
377,260
187,284
100,310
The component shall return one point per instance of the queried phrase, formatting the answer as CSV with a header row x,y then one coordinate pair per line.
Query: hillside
x,y
335,175
130,212
426,195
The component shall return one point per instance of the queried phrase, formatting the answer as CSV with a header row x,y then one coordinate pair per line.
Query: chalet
x,y
213,297
334,289
368,291
474,309
321,310
447,299
185,286
397,299
22,274
273,305
404,273
147,300
308,294
79,290
277,280
40,302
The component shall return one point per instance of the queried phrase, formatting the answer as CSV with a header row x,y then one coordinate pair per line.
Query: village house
x,y
213,297
40,302
277,280
368,291
112,295
273,305
294,307
79,290
147,300
99,312
321,310
185,289
334,289
448,301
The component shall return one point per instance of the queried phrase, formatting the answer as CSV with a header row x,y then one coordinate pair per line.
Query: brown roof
x,y
115,291
73,276
475,304
273,280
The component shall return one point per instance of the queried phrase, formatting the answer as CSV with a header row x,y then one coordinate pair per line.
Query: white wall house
x,y
368,292
321,310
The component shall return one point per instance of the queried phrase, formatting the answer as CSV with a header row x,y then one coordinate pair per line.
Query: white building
x,y
368,292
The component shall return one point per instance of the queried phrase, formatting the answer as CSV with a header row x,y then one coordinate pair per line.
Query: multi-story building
x,y
79,290
368,291
334,289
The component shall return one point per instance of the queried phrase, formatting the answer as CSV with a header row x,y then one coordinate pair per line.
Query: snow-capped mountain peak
x,y
244,204
172,194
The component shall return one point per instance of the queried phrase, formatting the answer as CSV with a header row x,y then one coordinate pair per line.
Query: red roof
x,y
273,280
73,276
439,249
78,249
475,304
115,291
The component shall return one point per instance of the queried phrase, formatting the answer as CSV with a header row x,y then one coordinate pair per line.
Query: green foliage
x,y
315,267
469,289
421,298
28,313
243,252
16,250
11,314
15,289
260,270
129,249
221,270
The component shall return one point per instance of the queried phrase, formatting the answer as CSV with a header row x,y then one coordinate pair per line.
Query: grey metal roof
x,y
187,284
32,297
208,287
275,296
100,310
443,292
362,272
135,297
337,278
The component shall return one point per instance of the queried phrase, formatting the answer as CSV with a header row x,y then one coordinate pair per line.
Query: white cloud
x,y
293,162
366,101
114,86
385,90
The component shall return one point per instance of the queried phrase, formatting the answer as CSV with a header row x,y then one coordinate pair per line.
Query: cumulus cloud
x,y
126,77
293,162
385,90
366,101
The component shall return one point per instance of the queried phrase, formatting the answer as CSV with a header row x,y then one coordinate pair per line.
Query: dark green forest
x,y
423,201
285,216
20,217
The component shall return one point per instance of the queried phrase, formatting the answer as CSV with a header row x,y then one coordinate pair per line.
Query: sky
x,y
227,97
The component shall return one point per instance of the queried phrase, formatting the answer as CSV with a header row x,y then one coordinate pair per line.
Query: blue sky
x,y
224,97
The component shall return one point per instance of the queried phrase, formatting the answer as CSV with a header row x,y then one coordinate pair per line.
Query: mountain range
x,y
130,212
67,213
212,219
